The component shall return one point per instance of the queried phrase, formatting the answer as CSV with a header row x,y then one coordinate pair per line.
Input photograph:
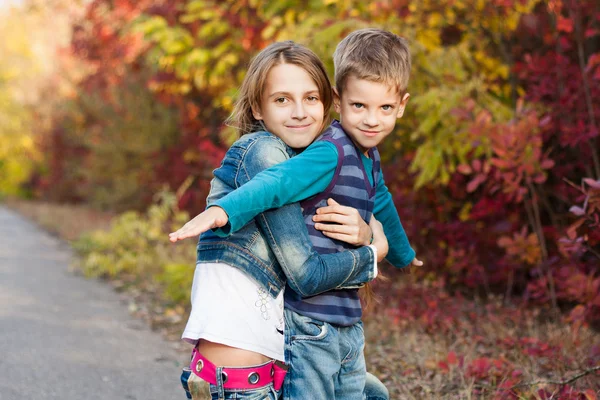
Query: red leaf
x,y
452,360
547,163
545,120
591,32
590,394
592,183
572,230
443,366
564,25
500,163
474,184
539,178
593,61
464,169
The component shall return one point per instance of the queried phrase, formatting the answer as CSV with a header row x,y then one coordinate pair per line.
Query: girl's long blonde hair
x,y
251,90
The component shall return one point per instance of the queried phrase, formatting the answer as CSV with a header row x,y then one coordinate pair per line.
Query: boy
x,y
324,338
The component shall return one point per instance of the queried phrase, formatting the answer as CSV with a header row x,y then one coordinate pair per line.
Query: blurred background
x,y
111,122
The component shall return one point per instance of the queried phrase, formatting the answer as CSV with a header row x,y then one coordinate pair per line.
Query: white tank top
x,y
228,307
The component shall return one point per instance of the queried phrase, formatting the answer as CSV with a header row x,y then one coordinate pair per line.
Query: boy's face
x,y
291,107
368,110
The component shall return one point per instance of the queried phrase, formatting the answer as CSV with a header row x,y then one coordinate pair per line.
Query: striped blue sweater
x,y
349,187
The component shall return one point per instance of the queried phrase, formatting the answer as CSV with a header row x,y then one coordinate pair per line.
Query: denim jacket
x,y
275,245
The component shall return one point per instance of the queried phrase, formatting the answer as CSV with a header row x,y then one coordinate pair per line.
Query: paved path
x,y
65,337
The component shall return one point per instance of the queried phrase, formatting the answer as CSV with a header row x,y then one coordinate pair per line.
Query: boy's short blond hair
x,y
375,55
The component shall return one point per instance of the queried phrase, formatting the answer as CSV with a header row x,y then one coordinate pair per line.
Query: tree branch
x,y
563,382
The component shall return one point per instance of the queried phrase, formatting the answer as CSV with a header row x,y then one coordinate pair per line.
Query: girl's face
x,y
291,106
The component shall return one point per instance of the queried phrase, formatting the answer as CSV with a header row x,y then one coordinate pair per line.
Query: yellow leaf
x,y
227,102
434,20
289,17
268,32
429,38
465,211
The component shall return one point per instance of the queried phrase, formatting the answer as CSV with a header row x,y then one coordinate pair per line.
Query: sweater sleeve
x,y
296,179
400,252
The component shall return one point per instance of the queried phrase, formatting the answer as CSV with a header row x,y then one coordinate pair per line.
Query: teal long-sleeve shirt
x,y
302,177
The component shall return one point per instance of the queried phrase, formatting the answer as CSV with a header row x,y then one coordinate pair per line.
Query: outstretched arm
x,y
284,182
401,253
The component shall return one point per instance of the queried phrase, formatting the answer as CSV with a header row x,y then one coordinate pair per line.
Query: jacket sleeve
x,y
308,272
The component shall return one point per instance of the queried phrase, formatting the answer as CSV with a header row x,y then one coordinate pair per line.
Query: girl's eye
x,y
281,100
312,99
358,105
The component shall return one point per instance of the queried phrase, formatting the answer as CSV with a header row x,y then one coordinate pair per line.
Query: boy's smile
x,y
368,110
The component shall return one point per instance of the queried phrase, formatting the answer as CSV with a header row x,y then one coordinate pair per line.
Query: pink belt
x,y
238,378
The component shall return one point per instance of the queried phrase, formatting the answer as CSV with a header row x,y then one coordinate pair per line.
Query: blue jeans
x,y
374,389
197,389
327,361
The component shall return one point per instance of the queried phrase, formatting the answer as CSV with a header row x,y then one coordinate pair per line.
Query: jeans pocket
x,y
306,328
275,394
195,388
185,376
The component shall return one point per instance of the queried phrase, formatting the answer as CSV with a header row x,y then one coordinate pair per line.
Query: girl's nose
x,y
299,112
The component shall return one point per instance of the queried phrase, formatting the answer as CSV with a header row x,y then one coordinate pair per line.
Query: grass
x,y
421,341
466,349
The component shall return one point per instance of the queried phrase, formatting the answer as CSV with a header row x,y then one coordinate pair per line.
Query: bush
x,y
137,249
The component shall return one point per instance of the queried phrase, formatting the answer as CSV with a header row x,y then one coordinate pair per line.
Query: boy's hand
x,y
415,263
214,217
347,224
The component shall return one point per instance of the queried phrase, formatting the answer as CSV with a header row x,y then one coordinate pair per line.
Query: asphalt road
x,y
65,337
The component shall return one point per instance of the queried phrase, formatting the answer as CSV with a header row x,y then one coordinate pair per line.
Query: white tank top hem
x,y
230,308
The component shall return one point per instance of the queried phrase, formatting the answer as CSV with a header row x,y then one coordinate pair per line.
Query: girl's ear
x,y
336,101
402,105
256,114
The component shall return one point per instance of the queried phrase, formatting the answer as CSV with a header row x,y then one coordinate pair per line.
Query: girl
x,y
237,304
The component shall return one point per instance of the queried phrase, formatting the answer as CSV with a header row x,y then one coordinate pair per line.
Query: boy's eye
x,y
387,107
358,105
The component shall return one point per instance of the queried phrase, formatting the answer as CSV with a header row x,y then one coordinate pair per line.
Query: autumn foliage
x,y
494,168
498,150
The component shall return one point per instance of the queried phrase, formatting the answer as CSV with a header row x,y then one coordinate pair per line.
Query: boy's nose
x,y
371,120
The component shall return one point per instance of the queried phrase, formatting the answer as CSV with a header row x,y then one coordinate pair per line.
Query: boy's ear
x,y
256,114
402,105
336,101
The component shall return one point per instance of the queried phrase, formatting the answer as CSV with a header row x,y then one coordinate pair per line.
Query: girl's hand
x,y
379,239
345,224
214,217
